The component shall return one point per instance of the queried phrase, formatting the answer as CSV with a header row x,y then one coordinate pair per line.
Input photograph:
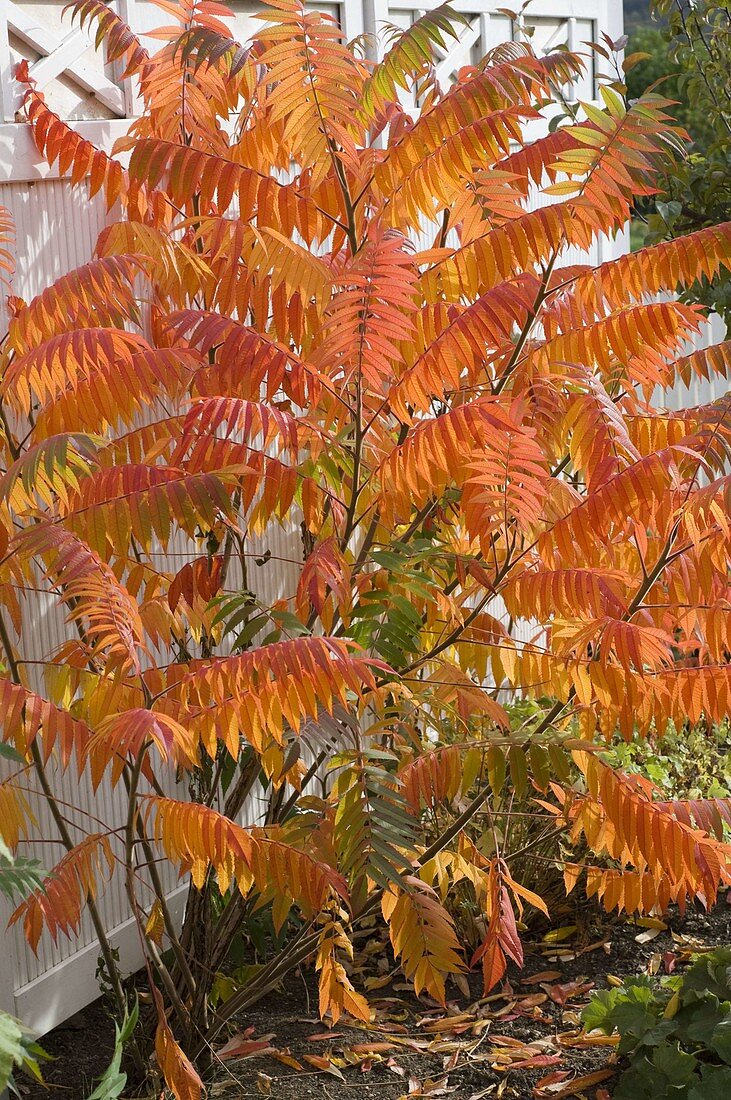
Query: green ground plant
x,y
675,1033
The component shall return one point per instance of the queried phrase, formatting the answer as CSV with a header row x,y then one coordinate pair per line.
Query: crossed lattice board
x,y
59,56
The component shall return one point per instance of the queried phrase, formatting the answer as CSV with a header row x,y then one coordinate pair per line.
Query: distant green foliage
x,y
686,763
676,1033
660,65
691,54
636,14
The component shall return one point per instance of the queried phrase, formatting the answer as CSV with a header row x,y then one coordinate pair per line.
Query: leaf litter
x,y
523,1041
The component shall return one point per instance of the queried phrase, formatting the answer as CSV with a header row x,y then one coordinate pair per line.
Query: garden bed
x,y
524,1042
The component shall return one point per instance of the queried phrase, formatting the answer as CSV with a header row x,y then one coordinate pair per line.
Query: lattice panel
x,y
62,60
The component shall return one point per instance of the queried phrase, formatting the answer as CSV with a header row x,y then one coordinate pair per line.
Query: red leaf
x,y
241,1047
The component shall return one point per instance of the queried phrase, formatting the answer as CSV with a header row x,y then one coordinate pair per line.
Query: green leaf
x,y
411,52
17,1050
715,1084
634,1010
11,1047
696,1022
373,828
674,1064
18,876
720,1040
7,752
641,1082
518,770
113,1080
597,1015
709,973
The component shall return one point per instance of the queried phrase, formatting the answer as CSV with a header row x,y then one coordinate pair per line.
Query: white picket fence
x,y
57,228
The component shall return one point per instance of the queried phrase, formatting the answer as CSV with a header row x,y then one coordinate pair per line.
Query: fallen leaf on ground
x,y
558,935
444,1023
582,1041
669,961
372,1048
264,1084
556,1077
323,1064
540,1061
377,983
561,993
242,1047
286,1058
652,922
561,1092
543,976
648,935
532,1000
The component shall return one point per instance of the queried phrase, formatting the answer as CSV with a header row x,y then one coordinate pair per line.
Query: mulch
x,y
524,1041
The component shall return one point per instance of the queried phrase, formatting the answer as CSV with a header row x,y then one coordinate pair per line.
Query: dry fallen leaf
x,y
538,1061
556,1079
264,1084
462,984
544,976
377,983
652,922
241,1046
286,1058
372,1048
578,1084
561,993
531,1001
648,935
669,961
558,935
323,1064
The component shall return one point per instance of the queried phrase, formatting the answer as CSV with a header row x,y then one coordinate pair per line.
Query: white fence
x,y
57,229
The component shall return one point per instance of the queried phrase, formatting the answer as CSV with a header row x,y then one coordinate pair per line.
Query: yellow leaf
x,y
558,935
672,1006
155,926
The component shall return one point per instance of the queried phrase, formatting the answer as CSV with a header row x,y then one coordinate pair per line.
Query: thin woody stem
x,y
68,843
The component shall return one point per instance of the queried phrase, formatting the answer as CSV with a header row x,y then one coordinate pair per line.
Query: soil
x,y
413,1049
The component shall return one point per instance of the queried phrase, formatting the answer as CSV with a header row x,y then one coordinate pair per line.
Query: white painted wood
x,y
459,51
71,985
9,967
7,95
41,39
20,161
127,10
376,13
58,60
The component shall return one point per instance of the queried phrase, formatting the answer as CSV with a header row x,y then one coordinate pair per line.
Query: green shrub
x,y
690,762
675,1033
